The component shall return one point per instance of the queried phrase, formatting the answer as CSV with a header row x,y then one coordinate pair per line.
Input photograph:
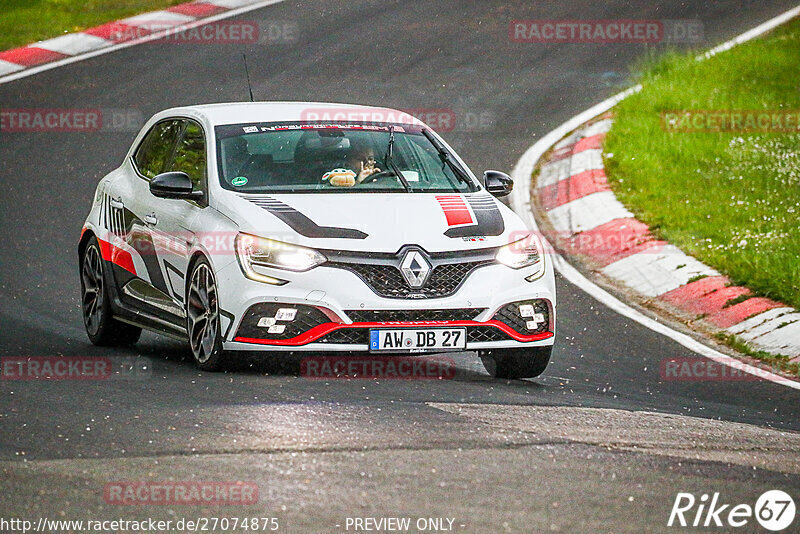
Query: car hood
x,y
376,222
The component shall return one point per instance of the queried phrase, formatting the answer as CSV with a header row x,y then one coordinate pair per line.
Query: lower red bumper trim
x,y
322,330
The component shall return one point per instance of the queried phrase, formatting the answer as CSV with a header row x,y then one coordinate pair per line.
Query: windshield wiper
x,y
444,155
387,158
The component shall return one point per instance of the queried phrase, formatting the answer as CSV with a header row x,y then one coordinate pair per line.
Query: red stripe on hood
x,y
455,210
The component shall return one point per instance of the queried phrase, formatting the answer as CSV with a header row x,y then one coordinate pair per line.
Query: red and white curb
x,y
521,203
589,221
147,26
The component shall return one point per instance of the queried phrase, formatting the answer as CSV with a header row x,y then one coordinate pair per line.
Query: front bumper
x,y
336,309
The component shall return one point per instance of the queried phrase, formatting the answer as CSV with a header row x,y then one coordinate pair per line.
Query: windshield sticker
x,y
239,181
235,130
329,126
340,177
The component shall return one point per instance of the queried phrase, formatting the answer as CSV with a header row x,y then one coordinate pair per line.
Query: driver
x,y
362,160
360,165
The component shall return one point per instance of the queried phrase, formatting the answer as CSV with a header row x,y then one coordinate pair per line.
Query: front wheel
x,y
202,315
526,362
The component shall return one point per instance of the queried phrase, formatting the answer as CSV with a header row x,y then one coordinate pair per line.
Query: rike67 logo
x,y
774,510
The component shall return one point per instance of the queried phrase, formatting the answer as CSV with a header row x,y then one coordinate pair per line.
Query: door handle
x,y
151,219
116,203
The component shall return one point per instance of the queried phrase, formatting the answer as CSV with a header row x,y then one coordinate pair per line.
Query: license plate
x,y
413,340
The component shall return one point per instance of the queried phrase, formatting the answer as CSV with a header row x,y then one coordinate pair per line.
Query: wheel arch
x,y
86,237
197,255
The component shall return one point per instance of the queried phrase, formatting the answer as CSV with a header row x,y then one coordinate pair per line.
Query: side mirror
x,y
498,183
175,185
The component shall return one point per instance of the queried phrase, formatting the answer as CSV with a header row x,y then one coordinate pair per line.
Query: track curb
x,y
585,221
523,171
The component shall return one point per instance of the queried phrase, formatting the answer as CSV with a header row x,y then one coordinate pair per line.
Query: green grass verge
x,y
25,21
730,199
778,362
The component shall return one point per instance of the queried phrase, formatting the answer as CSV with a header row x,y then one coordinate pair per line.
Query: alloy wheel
x,y
92,278
203,313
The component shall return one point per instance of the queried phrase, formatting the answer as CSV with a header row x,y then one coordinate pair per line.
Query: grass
x,y
737,300
779,362
26,21
730,199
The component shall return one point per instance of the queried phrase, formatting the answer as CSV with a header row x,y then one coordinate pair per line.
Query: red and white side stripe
x,y
92,39
115,250
589,220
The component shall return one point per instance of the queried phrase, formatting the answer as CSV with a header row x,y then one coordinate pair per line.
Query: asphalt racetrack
x,y
599,442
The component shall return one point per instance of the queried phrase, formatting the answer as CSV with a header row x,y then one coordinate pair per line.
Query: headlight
x,y
255,251
523,253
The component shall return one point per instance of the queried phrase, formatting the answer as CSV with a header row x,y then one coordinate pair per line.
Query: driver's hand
x,y
367,170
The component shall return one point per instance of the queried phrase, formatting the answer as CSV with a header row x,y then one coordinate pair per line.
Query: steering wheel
x,y
373,178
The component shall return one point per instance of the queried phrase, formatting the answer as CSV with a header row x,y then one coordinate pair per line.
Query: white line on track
x,y
520,201
152,37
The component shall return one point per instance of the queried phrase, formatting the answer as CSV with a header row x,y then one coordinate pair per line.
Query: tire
x,y
102,329
516,363
202,317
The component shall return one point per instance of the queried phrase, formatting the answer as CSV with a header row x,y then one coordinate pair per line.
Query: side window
x,y
191,155
156,148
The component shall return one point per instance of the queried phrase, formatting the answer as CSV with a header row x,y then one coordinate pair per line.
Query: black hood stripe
x,y
489,219
302,224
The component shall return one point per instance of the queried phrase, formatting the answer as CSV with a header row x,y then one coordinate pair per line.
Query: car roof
x,y
255,112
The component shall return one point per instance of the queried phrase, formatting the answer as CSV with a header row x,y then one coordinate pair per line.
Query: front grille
x,y
510,315
481,334
387,280
347,336
307,317
360,336
383,316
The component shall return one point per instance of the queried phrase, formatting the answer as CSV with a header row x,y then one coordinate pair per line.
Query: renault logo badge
x,y
415,269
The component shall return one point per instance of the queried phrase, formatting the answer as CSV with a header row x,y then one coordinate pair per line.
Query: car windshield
x,y
334,158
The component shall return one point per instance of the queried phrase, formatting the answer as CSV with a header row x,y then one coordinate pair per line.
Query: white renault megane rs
x,y
312,227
